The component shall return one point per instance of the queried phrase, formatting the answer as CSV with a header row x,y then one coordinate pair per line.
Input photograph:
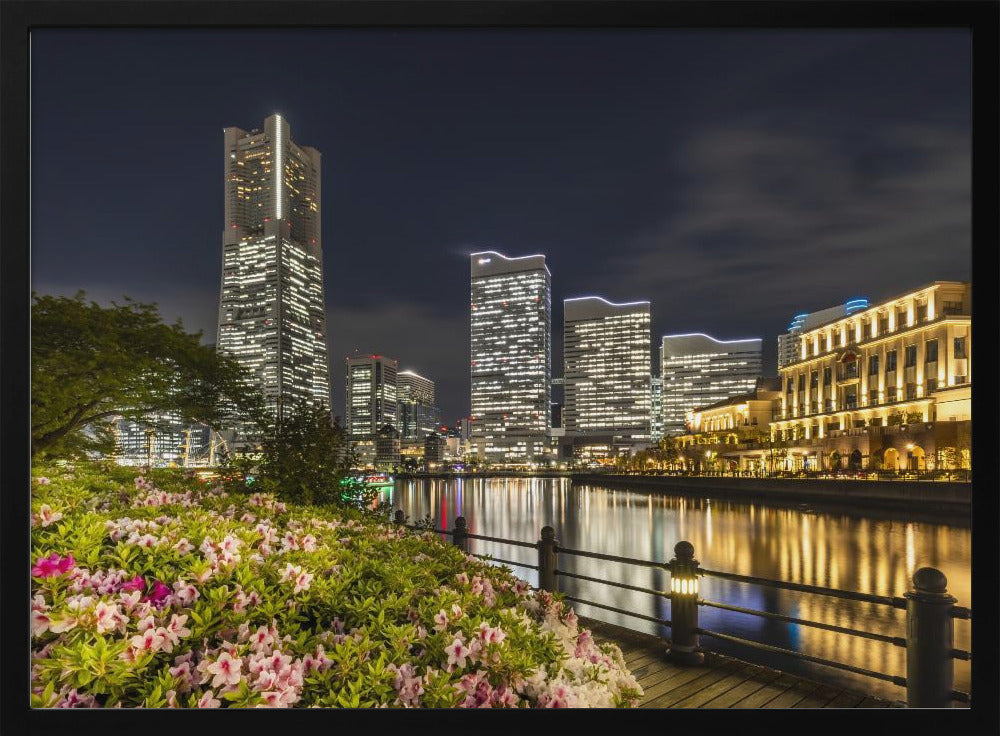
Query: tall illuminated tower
x,y
698,370
606,354
271,313
371,395
511,355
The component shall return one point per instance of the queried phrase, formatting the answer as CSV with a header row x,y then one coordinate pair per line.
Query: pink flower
x,y
183,546
136,583
440,620
108,617
47,516
208,700
148,640
226,670
185,592
302,581
42,480
53,565
39,618
158,595
457,653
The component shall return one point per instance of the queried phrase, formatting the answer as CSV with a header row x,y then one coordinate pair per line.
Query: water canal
x,y
863,551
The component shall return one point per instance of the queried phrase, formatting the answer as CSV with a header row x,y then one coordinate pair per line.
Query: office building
x,y
788,344
511,362
418,416
271,312
371,396
656,409
606,354
697,370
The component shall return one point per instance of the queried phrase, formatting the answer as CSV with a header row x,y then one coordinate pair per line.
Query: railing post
x,y
684,643
399,518
547,560
460,536
930,635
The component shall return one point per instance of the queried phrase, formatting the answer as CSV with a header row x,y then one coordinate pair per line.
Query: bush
x,y
163,592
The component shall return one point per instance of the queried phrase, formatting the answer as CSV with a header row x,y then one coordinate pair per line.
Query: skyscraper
x,y
271,312
698,370
788,344
511,355
607,369
371,395
418,416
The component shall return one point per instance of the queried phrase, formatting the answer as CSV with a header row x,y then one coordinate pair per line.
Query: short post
x,y
547,560
684,642
930,636
460,536
399,518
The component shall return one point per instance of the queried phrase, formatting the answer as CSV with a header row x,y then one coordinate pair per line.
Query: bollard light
x,y
684,641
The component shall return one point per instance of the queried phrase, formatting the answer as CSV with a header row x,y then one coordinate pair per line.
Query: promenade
x,y
721,682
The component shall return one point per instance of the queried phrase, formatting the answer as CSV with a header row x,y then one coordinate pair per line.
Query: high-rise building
x,y
606,355
788,344
511,362
371,395
271,313
698,370
418,416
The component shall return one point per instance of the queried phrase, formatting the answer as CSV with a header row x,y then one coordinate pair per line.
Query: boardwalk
x,y
721,682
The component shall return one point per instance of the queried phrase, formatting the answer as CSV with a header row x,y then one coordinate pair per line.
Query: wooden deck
x,y
721,682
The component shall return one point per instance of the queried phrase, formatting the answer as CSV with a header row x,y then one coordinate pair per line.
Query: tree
x,y
304,457
667,452
90,363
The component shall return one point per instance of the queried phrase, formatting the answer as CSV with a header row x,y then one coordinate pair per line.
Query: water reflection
x,y
838,550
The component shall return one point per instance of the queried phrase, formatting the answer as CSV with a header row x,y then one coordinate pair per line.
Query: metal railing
x,y
930,611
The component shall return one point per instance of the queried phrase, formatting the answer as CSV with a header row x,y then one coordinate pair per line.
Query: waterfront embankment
x,y
948,497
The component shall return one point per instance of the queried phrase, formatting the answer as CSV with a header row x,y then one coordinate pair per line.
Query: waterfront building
x,y
371,395
889,387
271,312
434,447
387,447
606,356
697,370
788,344
511,361
733,434
418,416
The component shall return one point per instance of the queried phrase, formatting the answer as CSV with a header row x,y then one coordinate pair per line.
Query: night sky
x,y
731,178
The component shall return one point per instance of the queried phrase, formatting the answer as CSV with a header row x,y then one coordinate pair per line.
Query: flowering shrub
x,y
163,592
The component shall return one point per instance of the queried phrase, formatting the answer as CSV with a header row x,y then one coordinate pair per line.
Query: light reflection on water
x,y
873,553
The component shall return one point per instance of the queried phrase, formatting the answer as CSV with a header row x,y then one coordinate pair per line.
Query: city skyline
x,y
690,169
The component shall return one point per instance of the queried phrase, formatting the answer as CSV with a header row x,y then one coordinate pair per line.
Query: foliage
x,y
303,456
165,593
90,363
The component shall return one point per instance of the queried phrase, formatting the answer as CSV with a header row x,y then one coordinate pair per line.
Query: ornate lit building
x,y
888,387
271,314
511,361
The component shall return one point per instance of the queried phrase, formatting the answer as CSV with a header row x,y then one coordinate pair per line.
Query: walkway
x,y
721,682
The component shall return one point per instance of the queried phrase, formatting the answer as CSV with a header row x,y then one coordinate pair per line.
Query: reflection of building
x,y
887,387
511,356
418,416
788,343
371,395
697,370
607,371
271,314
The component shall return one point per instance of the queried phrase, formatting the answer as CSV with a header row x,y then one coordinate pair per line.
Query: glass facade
x,y
371,396
606,353
698,370
511,361
271,311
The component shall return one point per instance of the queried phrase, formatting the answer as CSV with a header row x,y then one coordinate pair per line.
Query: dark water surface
x,y
851,550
